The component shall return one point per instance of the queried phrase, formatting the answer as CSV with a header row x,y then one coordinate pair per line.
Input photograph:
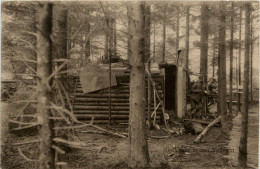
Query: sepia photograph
x,y
129,84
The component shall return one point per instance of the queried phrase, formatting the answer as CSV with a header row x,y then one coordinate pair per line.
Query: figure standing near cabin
x,y
196,97
212,90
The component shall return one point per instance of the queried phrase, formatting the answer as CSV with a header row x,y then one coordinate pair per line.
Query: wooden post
x,y
180,92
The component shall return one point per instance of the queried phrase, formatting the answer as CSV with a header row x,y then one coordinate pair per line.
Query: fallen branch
x,y
197,121
201,135
71,127
25,157
159,137
70,143
110,132
61,163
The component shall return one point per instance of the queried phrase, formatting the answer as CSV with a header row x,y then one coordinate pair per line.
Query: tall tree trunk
x,y
239,58
147,20
222,90
154,43
138,150
59,30
251,57
114,38
106,43
231,61
204,51
87,45
177,28
242,157
164,32
44,68
187,38
111,44
213,56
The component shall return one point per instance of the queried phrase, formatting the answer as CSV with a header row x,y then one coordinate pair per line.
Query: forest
x,y
129,84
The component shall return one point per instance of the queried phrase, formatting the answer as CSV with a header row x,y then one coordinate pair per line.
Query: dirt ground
x,y
107,151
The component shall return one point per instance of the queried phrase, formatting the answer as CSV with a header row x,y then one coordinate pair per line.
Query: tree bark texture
x,y
164,33
222,90
239,58
251,56
44,68
138,147
187,38
59,30
147,20
231,60
177,29
204,35
242,156
87,45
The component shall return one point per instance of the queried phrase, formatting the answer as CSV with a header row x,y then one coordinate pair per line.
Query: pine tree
x,y
138,150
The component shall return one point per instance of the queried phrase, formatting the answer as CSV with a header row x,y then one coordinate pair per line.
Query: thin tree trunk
x,y
222,101
242,157
177,29
87,45
114,38
110,50
154,42
59,35
204,51
147,20
138,150
187,36
213,57
111,44
251,58
164,33
231,61
239,59
44,68
106,40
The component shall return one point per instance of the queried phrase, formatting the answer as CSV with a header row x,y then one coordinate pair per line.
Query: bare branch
x,y
73,118
71,127
24,60
26,142
26,127
25,157
19,122
58,149
70,143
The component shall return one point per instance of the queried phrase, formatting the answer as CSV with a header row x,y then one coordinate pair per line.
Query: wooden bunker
x,y
96,104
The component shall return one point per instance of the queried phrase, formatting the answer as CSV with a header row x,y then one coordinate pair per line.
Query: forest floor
x,y
107,151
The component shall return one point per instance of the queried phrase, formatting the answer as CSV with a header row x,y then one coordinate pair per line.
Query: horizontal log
x,y
82,99
105,95
115,107
101,104
124,85
101,95
106,112
126,104
104,117
117,91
